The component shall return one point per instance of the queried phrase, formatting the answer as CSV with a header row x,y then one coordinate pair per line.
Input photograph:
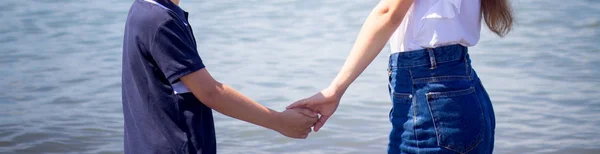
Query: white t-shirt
x,y
434,23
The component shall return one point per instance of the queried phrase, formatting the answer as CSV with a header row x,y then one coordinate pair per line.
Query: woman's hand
x,y
324,103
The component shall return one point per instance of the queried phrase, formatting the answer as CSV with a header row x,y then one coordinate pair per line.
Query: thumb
x,y
321,122
303,103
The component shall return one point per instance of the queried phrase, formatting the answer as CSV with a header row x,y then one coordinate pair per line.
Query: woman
x,y
439,104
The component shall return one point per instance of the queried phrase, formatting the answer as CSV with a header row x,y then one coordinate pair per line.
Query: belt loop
x,y
432,58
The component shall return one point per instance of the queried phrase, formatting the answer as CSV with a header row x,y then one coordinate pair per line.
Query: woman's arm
x,y
376,31
374,34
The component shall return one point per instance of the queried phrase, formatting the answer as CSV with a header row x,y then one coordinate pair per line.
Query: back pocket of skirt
x,y
457,118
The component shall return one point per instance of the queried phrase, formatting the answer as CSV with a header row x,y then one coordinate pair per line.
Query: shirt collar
x,y
167,4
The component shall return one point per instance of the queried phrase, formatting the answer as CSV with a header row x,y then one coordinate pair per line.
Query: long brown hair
x,y
498,16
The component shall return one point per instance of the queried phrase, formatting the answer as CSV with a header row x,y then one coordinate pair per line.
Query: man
x,y
168,94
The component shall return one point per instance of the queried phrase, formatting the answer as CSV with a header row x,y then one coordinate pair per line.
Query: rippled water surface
x,y
60,69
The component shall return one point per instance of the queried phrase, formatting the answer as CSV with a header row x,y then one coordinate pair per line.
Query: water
x,y
61,62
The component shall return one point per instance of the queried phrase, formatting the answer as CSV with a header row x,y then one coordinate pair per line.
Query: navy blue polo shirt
x,y
159,48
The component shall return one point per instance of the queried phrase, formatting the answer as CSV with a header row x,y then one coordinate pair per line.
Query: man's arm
x,y
228,101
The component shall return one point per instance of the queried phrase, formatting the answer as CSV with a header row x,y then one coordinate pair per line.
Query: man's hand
x,y
296,123
324,103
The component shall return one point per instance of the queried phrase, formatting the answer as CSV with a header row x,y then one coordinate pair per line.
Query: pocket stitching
x,y
451,93
402,95
442,79
431,95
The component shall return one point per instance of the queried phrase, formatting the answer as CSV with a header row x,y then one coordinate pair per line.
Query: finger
x,y
321,122
312,121
303,103
297,136
307,131
308,113
303,136
303,130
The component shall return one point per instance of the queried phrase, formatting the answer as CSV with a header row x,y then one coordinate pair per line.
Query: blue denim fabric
x,y
439,104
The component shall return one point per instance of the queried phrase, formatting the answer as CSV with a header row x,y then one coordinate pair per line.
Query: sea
x,y
60,74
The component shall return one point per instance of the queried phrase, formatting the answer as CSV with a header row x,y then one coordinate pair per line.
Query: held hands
x,y
324,103
296,123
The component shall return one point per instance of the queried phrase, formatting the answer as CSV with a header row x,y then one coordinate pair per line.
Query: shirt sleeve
x,y
173,50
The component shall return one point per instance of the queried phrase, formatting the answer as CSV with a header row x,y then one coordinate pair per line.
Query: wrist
x,y
336,91
275,121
